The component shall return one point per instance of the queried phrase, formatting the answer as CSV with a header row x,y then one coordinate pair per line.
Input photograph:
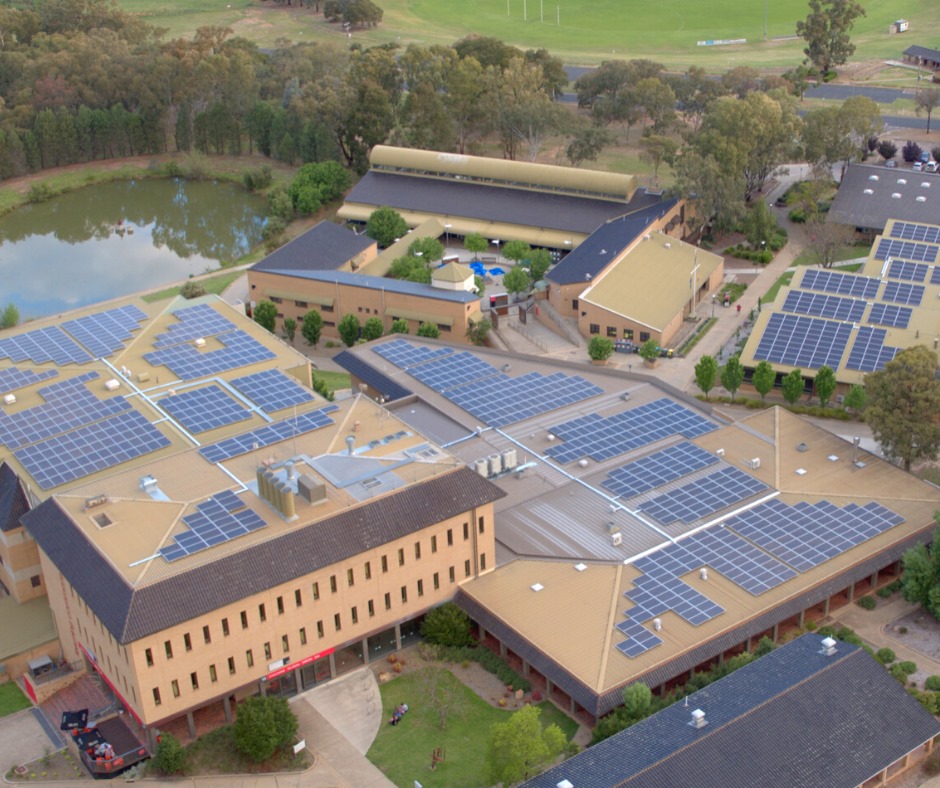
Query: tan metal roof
x,y
452,272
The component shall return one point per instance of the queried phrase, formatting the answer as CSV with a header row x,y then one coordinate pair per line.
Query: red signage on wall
x,y
29,689
299,664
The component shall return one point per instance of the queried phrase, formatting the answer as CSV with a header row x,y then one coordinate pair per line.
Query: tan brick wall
x,y
19,564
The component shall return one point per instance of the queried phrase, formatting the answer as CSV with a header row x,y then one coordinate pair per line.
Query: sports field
x,y
578,31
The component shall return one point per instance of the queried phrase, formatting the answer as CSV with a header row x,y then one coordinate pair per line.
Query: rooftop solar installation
x,y
806,342
13,378
640,639
738,560
869,353
68,404
806,535
220,519
89,449
603,438
803,302
841,284
194,322
42,345
104,333
266,436
890,315
405,355
272,390
188,363
903,293
658,469
906,250
909,272
912,231
453,370
702,497
935,275
203,409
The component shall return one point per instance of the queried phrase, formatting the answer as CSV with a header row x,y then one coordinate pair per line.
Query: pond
x,y
114,239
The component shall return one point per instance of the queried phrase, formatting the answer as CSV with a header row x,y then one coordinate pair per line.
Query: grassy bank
x,y
12,699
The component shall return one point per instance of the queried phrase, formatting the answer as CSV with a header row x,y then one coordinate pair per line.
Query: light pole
x,y
447,234
714,299
496,241
765,20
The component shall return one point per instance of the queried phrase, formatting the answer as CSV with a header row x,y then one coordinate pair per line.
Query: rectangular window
x,y
35,581
156,696
298,598
267,651
480,527
371,608
262,613
337,623
418,550
244,619
401,556
420,588
206,635
231,665
574,304
285,643
388,601
213,677
433,544
187,642
644,336
316,591
466,531
612,332
280,606
169,649
195,680
225,629
276,300
148,655
354,613
333,583
350,578
594,328
450,537
466,568
404,594
300,304
384,564
303,636
250,658
368,570
175,686
437,581
319,629
482,561
452,575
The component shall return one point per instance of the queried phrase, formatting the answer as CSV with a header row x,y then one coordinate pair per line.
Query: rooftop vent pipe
x,y
828,647
350,443
698,719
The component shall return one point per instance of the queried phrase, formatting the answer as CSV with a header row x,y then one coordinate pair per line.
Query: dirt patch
x,y
919,631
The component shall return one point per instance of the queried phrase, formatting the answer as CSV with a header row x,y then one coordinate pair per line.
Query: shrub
x,y
797,216
40,192
447,625
884,593
600,348
885,656
902,630
909,668
932,683
192,289
811,626
273,228
867,603
170,756
262,726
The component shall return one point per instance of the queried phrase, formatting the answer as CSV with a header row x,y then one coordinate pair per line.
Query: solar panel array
x,y
195,321
187,363
909,272
912,231
657,469
806,535
453,370
704,496
203,409
602,438
869,353
68,404
890,315
903,293
266,436
405,355
935,275
220,519
272,390
89,449
803,302
42,345
907,250
13,378
805,342
105,333
842,284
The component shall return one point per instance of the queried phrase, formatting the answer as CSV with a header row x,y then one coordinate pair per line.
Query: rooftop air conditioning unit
x,y
510,460
9,399
200,342
616,539
625,396
112,385
755,463
720,452
698,719
482,467
496,464
582,463
896,196
98,500
551,437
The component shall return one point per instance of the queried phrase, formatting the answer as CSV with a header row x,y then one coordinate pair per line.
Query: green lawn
x,y
806,257
12,699
403,752
771,294
213,284
333,380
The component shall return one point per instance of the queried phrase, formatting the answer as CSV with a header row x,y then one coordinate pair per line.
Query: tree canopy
x,y
763,378
311,326
262,726
706,374
266,315
519,748
349,329
386,226
920,581
732,375
826,32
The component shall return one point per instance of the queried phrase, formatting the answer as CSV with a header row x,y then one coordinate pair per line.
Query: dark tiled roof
x,y
854,207
923,52
795,717
324,247
130,614
605,243
400,286
371,376
566,213
13,501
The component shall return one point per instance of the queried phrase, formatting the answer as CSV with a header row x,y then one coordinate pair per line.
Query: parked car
x,y
918,165
891,163
924,157
930,166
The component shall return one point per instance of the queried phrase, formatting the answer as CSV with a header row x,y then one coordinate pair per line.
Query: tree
x,y
266,315
587,143
904,406
911,151
825,384
170,757
516,280
372,329
706,373
732,375
399,326
763,378
290,329
826,239
920,582
10,316
841,134
262,726
792,386
826,32
479,285
311,326
386,226
447,625
317,183
926,101
760,225
637,701
540,260
887,149
856,399
429,330
656,149
517,251
443,691
476,243
600,348
349,329
649,351
478,331
428,249
519,747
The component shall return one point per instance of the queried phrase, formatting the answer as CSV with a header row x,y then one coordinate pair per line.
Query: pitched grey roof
x,y
854,207
13,501
795,717
324,247
381,283
551,211
132,613
923,52
373,377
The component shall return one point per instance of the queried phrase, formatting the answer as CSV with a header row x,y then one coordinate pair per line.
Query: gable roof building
x,y
324,247
871,195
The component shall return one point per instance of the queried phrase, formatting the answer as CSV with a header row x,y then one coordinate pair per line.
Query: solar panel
x,y
912,231
220,519
13,378
105,333
194,322
42,345
266,436
453,370
657,469
842,284
738,560
640,639
907,250
869,353
68,404
405,355
806,535
89,449
805,303
655,593
935,276
188,363
603,438
805,342
890,315
203,409
272,390
903,293
704,496
910,272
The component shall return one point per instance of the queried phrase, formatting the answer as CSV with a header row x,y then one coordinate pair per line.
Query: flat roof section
x,y
24,626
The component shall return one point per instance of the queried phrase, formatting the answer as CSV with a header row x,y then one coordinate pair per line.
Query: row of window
x,y
299,304
594,328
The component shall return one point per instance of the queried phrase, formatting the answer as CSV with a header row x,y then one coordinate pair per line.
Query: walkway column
x,y
776,632
297,681
721,658
333,665
365,652
397,637
263,685
874,580
826,607
227,707
525,668
850,593
572,706
802,618
747,646
482,633
502,649
549,687
152,740
191,724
